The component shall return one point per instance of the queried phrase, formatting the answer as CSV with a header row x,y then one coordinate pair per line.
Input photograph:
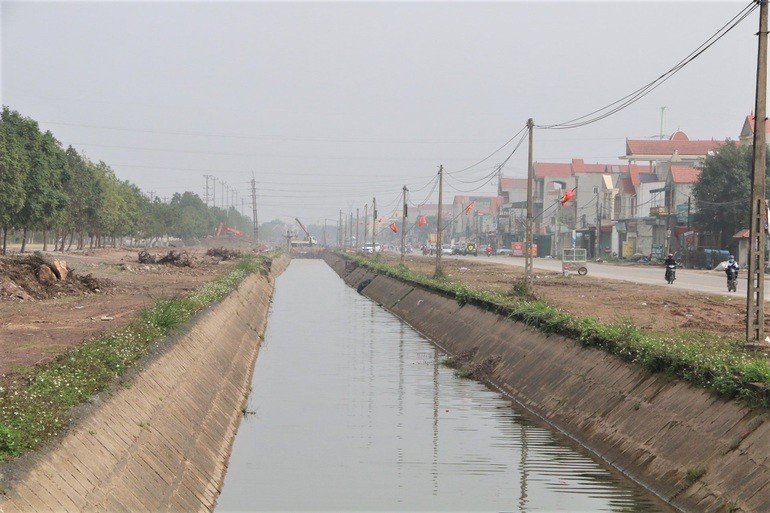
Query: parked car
x,y
504,251
371,248
446,249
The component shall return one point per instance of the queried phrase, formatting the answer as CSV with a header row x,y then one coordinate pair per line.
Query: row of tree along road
x,y
74,201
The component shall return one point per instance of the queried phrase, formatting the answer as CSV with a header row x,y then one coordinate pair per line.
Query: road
x,y
713,282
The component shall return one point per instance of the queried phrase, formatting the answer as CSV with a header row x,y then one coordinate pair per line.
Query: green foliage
x,y
720,364
722,193
35,409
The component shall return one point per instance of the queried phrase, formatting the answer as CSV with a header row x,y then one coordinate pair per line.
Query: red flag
x,y
567,196
422,221
393,227
469,207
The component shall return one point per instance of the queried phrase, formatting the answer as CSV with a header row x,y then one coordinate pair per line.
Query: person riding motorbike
x,y
670,263
488,249
731,269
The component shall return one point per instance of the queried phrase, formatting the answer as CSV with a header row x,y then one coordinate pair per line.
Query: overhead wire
x,y
643,91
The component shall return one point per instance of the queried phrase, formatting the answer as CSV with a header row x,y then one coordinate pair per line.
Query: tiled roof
x,y
513,183
641,147
627,186
684,174
751,119
552,169
579,166
743,234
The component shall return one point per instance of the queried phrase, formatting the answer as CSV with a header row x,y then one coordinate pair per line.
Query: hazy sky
x,y
328,105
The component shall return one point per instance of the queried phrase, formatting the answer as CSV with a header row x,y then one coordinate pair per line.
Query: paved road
x,y
713,282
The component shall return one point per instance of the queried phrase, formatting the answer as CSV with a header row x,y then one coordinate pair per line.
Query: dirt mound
x,y
30,277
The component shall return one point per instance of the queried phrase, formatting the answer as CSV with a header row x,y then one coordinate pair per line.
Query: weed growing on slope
x,y
718,363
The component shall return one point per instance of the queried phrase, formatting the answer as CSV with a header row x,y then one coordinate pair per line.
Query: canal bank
x,y
161,440
694,450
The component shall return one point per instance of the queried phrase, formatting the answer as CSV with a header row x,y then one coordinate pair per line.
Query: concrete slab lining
x,y
161,443
659,431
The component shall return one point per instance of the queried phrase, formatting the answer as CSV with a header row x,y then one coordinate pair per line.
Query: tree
x,y
722,193
45,169
12,175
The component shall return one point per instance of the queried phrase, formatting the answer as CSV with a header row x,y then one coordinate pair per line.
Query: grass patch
x,y
714,362
38,407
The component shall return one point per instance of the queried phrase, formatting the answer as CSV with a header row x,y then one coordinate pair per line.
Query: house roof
x,y
627,186
743,234
513,183
552,169
684,174
678,143
641,174
579,166
748,126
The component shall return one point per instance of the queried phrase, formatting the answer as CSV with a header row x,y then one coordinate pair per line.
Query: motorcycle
x,y
670,273
488,250
732,279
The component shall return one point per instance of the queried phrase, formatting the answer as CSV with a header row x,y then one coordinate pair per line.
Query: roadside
x,y
648,307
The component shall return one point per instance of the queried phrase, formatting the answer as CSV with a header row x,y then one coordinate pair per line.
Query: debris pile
x,y
223,253
24,278
178,259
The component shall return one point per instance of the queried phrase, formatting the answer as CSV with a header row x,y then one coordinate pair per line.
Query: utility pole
x,y
350,229
598,226
366,222
403,226
439,271
530,201
339,232
214,192
755,307
207,177
358,221
325,244
254,207
374,226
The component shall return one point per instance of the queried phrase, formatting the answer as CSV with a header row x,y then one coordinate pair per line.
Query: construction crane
x,y
309,240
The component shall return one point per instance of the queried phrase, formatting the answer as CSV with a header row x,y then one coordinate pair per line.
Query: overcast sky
x,y
328,105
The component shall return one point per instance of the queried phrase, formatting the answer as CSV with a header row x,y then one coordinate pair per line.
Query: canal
x,y
353,410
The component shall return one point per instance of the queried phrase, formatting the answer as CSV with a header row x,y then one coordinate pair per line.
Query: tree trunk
x,y
45,239
5,238
23,240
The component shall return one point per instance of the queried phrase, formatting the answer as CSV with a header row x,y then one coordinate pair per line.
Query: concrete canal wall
x,y
162,442
696,451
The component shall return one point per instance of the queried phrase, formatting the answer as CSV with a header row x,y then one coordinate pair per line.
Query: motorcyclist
x,y
670,263
731,266
488,249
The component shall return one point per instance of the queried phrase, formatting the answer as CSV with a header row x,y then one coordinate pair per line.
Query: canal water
x,y
353,410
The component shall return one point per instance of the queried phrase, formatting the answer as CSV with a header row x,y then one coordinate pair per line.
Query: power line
x,y
643,91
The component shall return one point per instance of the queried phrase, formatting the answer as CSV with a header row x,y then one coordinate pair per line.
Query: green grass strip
x,y
717,363
37,408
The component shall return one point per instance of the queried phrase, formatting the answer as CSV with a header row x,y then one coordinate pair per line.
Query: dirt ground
x,y
647,306
105,291
110,285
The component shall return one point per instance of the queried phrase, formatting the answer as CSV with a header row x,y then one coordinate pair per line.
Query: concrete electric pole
x,y
755,307
530,200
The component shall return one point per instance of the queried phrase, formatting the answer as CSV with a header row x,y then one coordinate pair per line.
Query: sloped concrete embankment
x,y
694,450
162,442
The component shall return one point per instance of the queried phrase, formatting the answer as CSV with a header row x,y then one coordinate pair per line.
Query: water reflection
x,y
355,412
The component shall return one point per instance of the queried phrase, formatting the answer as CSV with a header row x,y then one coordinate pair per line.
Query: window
x,y
596,190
